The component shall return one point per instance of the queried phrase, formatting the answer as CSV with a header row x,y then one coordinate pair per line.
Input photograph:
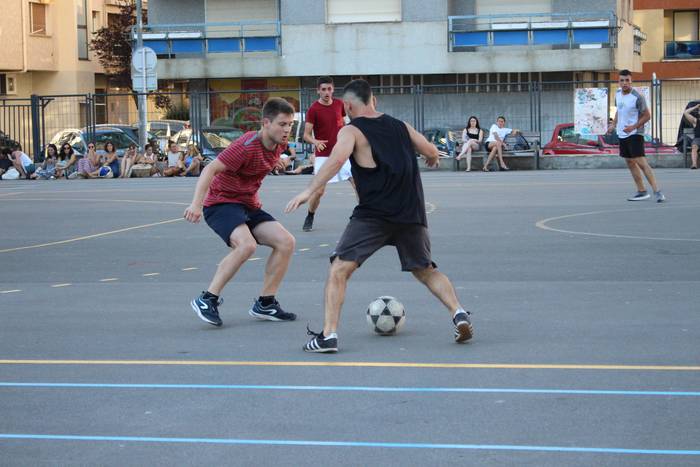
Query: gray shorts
x,y
364,236
695,142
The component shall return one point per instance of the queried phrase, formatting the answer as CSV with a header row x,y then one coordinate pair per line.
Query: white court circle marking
x,y
542,224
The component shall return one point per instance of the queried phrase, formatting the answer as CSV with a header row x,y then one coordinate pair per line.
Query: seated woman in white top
x,y
471,138
175,166
495,142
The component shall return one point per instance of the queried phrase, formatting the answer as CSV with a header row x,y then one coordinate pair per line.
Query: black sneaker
x,y
207,309
319,344
463,327
308,223
272,312
640,196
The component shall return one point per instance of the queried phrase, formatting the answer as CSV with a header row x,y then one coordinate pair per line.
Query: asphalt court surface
x,y
585,309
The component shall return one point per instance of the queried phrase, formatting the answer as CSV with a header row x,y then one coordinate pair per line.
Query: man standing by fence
x,y
324,118
630,118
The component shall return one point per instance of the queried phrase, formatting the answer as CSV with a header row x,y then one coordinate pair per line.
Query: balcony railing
x,y
171,40
549,30
682,50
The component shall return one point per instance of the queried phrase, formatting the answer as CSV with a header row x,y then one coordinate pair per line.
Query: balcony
x,y
173,40
682,50
545,31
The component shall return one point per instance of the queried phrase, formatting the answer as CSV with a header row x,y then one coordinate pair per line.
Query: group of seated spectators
x,y
473,136
65,163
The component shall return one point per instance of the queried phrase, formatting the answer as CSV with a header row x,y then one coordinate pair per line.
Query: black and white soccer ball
x,y
386,315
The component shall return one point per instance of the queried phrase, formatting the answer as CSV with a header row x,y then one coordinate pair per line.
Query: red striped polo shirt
x,y
247,163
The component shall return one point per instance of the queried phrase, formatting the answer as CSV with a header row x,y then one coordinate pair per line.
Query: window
x,y
37,18
96,21
81,11
685,25
363,11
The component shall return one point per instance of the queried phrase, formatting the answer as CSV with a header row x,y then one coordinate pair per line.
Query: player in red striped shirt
x,y
232,208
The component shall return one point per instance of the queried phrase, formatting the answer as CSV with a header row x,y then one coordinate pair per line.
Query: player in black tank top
x,y
391,209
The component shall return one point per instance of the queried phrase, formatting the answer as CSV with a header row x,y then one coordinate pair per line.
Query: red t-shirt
x,y
327,121
247,162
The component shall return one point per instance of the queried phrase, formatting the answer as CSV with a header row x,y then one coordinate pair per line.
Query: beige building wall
x,y
652,23
11,36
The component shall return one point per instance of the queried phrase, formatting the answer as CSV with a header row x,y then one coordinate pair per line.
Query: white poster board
x,y
591,111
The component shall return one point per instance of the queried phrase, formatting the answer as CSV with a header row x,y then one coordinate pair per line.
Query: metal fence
x,y
531,106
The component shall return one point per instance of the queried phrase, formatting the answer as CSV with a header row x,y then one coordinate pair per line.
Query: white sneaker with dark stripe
x,y
463,327
320,344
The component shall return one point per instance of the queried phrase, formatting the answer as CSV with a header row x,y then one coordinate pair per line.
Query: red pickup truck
x,y
566,141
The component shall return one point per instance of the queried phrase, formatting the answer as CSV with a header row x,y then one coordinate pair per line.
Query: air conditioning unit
x,y
8,84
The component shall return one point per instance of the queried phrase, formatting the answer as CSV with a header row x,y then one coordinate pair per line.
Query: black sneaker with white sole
x,y
319,343
273,312
463,327
207,309
639,196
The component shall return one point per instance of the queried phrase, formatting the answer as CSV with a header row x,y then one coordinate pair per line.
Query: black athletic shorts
x,y
224,218
632,146
364,236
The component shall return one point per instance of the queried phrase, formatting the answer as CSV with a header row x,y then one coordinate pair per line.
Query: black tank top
x,y
472,135
392,191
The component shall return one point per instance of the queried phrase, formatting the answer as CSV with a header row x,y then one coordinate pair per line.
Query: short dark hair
x,y
360,88
323,80
275,106
501,116
147,146
6,151
17,147
625,72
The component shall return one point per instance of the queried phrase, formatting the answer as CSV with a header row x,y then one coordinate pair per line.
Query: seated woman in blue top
x,y
110,158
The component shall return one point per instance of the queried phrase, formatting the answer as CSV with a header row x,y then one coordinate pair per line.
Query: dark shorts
x,y
364,236
632,146
224,218
695,142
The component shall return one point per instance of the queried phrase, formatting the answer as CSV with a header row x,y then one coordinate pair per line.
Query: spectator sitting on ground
x,y
192,161
496,142
306,169
23,163
471,139
111,160
175,165
128,160
146,163
89,164
67,163
694,121
7,170
288,155
47,169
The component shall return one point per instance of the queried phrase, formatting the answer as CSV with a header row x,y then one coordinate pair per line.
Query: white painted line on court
x,y
189,269
10,291
363,444
323,245
151,274
67,284
304,249
253,259
109,279
410,389
542,224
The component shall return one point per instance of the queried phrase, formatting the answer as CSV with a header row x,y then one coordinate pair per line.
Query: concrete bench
x,y
509,155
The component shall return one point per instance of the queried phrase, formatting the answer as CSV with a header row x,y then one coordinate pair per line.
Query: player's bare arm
x,y
193,213
341,152
423,147
319,144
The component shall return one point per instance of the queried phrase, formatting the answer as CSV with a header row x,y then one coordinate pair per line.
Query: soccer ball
x,y
386,315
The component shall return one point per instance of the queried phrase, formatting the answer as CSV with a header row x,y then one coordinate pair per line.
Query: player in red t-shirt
x,y
232,208
324,118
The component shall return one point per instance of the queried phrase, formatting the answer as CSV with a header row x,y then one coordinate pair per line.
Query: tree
x,y
112,45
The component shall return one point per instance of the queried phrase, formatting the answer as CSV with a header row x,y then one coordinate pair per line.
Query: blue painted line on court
x,y
255,387
355,444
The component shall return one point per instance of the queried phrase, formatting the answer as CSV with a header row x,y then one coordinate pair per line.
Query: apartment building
x,y
45,46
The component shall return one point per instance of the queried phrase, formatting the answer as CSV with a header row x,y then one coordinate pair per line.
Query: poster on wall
x,y
591,111
238,102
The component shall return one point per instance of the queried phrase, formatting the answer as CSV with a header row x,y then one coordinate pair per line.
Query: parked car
x,y
212,140
566,141
165,130
78,139
131,130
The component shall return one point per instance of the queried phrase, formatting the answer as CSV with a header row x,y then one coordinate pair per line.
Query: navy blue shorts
x,y
224,218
